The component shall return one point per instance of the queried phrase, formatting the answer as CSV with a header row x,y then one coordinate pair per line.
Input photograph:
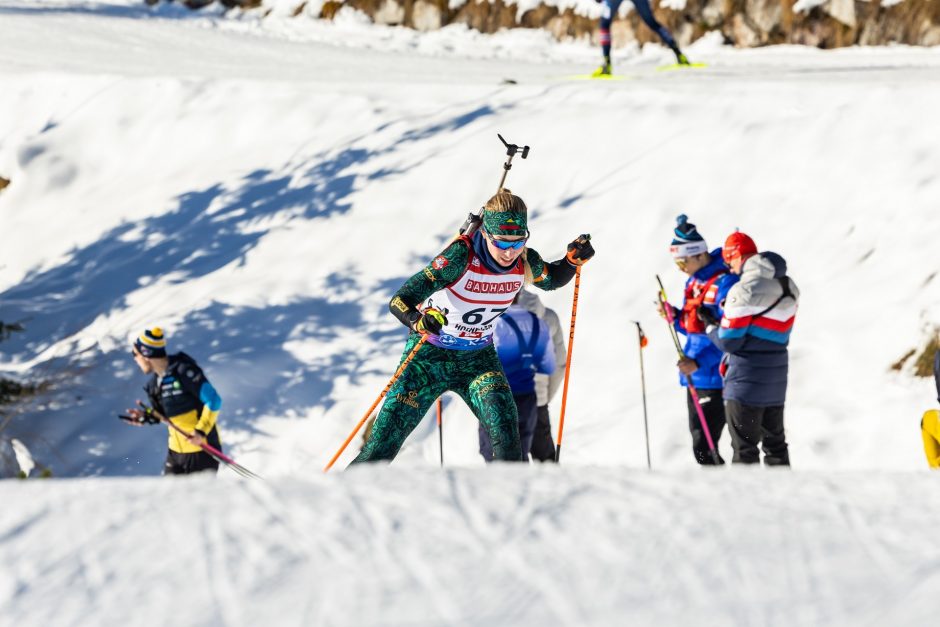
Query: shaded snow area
x,y
261,187
510,546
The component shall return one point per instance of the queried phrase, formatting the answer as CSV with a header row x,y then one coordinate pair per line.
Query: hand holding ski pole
x,y
580,250
134,416
139,417
687,366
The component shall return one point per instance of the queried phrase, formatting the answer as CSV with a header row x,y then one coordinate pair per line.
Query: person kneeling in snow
x,y
455,301
181,393
754,332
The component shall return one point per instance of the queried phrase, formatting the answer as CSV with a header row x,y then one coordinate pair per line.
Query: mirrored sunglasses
x,y
506,245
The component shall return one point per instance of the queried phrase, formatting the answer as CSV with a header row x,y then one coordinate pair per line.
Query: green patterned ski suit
x,y
476,375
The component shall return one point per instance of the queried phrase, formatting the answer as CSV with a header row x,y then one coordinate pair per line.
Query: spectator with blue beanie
x,y
523,344
707,287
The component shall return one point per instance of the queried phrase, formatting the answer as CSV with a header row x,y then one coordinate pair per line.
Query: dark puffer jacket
x,y
755,332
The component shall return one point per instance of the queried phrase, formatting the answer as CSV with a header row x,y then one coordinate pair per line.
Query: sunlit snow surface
x,y
261,186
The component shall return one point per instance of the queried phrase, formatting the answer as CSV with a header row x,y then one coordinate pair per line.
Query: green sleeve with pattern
x,y
441,272
549,276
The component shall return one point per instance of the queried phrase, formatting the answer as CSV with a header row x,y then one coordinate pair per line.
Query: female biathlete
x,y
456,300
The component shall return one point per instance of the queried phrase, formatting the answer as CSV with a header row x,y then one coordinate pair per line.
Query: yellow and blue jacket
x,y
184,395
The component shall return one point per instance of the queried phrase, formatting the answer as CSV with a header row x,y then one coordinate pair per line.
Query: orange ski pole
x,y
401,369
564,393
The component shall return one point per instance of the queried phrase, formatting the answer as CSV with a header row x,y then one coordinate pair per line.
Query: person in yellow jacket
x,y
181,392
930,424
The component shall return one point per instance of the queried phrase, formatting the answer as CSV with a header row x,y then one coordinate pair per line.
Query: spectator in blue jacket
x,y
523,343
546,385
755,332
707,286
609,12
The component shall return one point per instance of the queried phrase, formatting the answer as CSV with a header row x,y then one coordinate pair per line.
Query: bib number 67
x,y
475,316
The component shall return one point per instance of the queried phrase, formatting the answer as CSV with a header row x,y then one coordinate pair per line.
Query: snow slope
x,y
510,546
261,197
260,188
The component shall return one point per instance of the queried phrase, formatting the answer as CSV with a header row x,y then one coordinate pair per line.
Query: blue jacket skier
x,y
706,288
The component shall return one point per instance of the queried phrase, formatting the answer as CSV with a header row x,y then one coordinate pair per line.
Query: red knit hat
x,y
738,244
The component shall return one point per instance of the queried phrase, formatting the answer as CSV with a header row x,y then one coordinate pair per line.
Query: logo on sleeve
x,y
439,263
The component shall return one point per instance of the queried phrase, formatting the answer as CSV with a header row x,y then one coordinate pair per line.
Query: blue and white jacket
x,y
755,332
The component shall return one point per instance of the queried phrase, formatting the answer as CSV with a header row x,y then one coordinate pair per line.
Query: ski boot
x,y
603,70
681,59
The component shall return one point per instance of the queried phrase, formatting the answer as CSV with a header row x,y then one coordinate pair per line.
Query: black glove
x,y
707,316
141,419
580,250
431,321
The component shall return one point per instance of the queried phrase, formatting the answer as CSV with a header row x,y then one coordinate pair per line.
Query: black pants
x,y
543,447
714,410
528,416
751,426
188,463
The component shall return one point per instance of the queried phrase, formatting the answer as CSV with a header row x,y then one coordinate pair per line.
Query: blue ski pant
x,y
644,10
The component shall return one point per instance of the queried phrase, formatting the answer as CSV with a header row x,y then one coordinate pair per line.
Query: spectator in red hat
x,y
754,333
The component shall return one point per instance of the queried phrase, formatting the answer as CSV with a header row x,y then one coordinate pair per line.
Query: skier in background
x,y
546,385
758,316
707,286
455,301
181,392
523,345
930,424
609,12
